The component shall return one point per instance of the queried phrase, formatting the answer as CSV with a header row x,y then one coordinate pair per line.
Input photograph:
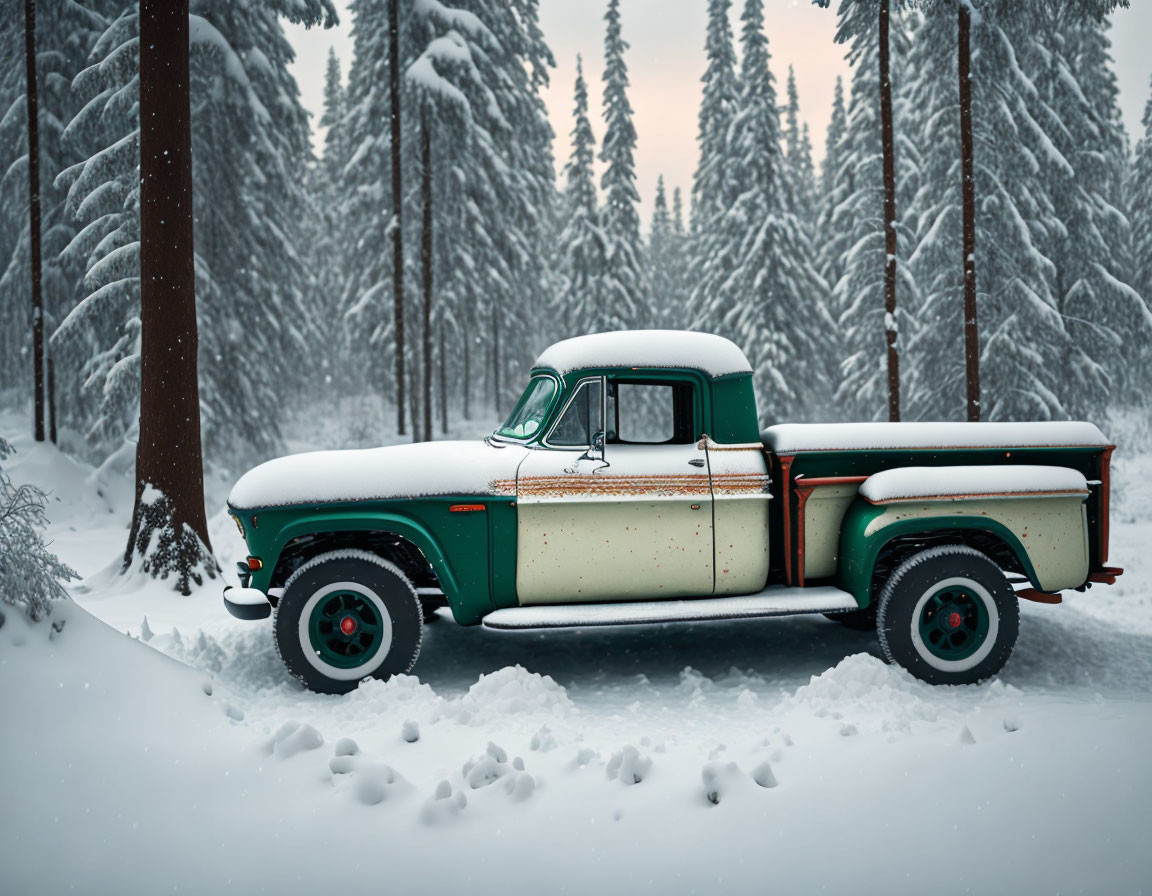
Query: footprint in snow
x,y
444,805
628,766
370,781
292,738
494,766
724,780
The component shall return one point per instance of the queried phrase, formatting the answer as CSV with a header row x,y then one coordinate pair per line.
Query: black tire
x,y
863,620
386,621
948,615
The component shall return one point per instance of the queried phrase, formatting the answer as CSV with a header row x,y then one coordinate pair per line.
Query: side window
x,y
651,413
581,419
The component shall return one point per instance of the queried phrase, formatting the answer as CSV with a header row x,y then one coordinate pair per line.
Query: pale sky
x,y
666,60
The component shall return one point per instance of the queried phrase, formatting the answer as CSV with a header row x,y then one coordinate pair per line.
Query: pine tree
x,y
860,254
801,171
661,270
32,111
581,252
836,183
626,288
713,187
1140,205
1025,346
772,304
169,531
711,192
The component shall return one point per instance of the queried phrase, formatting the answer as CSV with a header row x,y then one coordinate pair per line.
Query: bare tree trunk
x,y
495,356
33,106
426,265
888,149
968,213
52,398
397,227
443,383
467,384
169,529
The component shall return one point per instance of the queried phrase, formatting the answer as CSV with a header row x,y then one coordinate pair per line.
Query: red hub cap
x,y
348,624
954,619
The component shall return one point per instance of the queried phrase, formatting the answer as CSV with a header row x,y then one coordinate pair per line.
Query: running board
x,y
775,601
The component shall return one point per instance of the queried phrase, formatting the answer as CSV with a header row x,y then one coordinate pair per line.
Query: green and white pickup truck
x,y
630,485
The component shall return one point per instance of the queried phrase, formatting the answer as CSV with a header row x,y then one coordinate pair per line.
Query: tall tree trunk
x,y
33,106
467,384
169,529
968,213
888,148
443,383
51,398
426,266
495,356
397,227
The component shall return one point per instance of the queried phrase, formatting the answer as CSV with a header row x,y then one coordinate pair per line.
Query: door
x,y
631,521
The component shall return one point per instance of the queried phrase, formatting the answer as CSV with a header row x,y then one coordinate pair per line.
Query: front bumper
x,y
247,603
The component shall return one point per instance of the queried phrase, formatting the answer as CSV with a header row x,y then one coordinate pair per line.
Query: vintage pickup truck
x,y
630,484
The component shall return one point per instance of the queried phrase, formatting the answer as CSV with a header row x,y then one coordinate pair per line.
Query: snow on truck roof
x,y
790,438
714,355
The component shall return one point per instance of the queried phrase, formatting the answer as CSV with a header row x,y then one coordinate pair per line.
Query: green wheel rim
x,y
344,629
954,623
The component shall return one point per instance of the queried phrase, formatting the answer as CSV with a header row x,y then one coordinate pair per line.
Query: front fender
x,y
867,528
270,539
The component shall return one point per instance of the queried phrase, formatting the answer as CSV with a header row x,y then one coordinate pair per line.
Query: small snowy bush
x,y
29,573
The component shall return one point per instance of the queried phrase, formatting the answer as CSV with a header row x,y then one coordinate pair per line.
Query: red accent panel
x,y
1105,488
785,494
465,508
1041,597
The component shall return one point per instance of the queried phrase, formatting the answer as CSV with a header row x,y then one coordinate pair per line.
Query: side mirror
x,y
598,443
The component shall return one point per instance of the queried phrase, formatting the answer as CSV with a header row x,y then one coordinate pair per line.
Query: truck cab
x,y
630,484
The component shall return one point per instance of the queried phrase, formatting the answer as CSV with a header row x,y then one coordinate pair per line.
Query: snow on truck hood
x,y
397,471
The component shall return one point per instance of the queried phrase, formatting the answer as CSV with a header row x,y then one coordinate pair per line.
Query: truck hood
x,y
398,471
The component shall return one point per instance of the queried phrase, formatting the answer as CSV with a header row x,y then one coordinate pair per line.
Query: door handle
x,y
697,462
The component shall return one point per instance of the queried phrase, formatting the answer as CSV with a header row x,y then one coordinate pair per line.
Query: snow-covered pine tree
x,y
661,274
1069,51
1140,212
798,156
713,191
30,574
252,280
626,288
66,32
774,301
854,214
581,248
1025,346
836,183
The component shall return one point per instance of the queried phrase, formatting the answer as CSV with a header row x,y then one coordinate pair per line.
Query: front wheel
x,y
345,616
948,615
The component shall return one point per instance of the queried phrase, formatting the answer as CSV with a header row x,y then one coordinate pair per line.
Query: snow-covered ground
x,y
737,757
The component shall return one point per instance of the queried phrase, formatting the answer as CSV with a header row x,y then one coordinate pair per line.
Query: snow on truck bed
x,y
714,355
790,438
910,483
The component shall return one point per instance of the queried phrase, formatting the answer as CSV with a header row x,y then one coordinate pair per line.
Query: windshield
x,y
528,415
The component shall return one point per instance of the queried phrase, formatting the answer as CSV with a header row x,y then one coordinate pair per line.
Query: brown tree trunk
x,y
888,149
495,355
426,266
467,384
443,384
169,529
397,227
33,101
968,213
51,399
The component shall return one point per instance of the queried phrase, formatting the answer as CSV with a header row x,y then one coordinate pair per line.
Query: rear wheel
x,y
345,616
948,616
